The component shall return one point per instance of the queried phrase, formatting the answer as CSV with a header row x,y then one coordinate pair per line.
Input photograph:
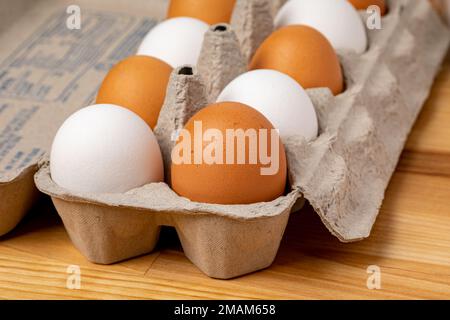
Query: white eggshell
x,y
337,20
278,97
176,41
105,148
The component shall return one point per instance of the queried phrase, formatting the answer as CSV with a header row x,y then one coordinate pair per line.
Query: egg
x,y
222,156
105,149
304,54
209,11
176,41
338,20
138,83
279,98
364,4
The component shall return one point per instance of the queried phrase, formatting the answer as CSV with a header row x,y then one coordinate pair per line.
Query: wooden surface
x,y
410,243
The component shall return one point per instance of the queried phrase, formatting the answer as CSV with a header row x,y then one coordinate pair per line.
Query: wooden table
x,y
410,243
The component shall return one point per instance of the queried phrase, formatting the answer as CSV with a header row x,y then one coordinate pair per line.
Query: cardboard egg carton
x,y
343,173
224,241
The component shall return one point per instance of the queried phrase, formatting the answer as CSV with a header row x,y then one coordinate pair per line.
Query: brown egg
x,y
138,83
304,54
209,11
364,4
220,178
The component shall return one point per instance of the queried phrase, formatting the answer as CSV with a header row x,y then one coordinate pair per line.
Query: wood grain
x,y
410,242
432,130
428,148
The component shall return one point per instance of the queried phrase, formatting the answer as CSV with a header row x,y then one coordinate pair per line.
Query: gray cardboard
x,y
221,59
253,22
367,126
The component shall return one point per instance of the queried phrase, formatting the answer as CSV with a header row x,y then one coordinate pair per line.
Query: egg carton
x,y
343,173
17,190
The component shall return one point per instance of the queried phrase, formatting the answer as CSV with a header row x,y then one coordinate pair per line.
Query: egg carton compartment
x,y
17,197
221,240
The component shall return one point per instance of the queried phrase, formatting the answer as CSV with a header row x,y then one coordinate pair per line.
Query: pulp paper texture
x,y
343,173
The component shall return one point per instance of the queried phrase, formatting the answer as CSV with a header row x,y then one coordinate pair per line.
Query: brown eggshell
x,y
364,4
138,83
209,11
304,54
229,183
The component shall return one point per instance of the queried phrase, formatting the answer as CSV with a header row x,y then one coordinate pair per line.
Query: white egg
x,y
176,41
337,20
105,148
278,97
